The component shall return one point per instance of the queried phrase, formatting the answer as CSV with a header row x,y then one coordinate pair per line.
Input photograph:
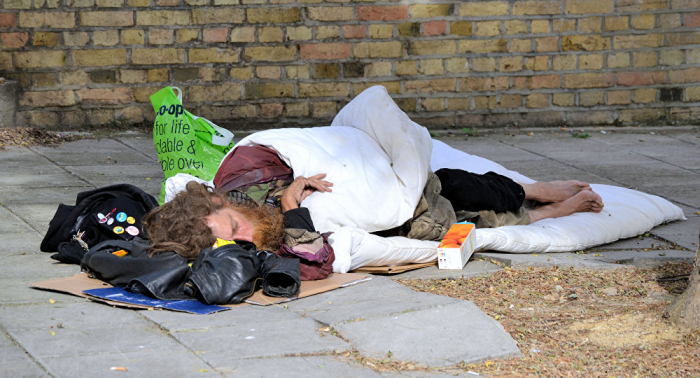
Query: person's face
x,y
229,224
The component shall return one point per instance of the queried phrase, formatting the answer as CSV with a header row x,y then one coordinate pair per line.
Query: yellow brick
x,y
619,97
241,73
73,78
644,59
324,89
457,65
564,62
47,98
520,45
585,43
392,49
381,31
431,67
546,44
463,28
483,8
76,38
297,109
539,26
17,4
132,76
430,10
160,36
270,53
217,16
459,103
637,41
693,56
120,18
536,8
59,20
105,37
165,17
670,20
647,95
214,55
298,72
46,39
6,61
483,64
213,93
590,25
619,60
588,6
431,86
564,99
511,100
133,37
325,32
44,80
330,13
270,34
157,75
104,57
243,34
406,68
138,3
643,21
671,57
378,69
561,26
300,33
485,102
511,64
273,15
433,104
616,23
143,94
482,46
157,56
691,93
591,98
515,26
391,87
487,28
589,80
324,109
268,72
110,3
591,62
537,63
244,111
256,91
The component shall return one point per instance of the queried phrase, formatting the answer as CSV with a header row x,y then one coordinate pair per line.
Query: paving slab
x,y
15,362
143,363
38,215
465,334
107,152
23,242
294,335
11,223
143,143
145,176
546,260
13,195
378,297
684,233
297,367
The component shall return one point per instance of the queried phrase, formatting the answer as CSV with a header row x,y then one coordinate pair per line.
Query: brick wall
x,y
253,63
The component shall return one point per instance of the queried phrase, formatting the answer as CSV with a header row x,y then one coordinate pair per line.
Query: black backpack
x,y
109,213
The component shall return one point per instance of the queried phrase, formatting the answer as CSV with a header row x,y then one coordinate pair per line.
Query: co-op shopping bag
x,y
184,142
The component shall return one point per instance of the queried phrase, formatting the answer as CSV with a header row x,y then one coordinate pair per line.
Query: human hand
x,y
301,188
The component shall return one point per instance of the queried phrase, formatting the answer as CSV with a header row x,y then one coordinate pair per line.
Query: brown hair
x,y
179,225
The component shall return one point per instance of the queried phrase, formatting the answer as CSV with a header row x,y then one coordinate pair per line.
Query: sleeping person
x,y
196,217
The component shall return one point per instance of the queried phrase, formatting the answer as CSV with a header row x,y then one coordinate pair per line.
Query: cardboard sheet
x,y
392,269
78,284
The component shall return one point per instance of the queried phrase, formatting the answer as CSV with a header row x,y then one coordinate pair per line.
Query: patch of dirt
x,y
573,322
24,136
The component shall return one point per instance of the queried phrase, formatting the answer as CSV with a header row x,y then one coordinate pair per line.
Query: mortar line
x,y
32,358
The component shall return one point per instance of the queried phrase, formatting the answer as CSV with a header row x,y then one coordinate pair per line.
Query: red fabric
x,y
248,165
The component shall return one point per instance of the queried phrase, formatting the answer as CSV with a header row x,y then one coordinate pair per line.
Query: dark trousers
x,y
474,192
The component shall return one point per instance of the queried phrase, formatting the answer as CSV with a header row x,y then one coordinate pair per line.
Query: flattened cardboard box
x,y
76,285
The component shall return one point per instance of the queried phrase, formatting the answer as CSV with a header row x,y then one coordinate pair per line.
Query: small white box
x,y
457,246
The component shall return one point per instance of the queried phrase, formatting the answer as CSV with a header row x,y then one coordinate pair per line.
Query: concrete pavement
x,y
51,334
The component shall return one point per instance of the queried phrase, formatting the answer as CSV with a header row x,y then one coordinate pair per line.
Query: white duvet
x,y
378,160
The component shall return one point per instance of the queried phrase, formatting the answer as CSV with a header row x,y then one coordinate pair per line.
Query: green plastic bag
x,y
184,142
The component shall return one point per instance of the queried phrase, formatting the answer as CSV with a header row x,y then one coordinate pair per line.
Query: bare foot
x,y
554,191
585,200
